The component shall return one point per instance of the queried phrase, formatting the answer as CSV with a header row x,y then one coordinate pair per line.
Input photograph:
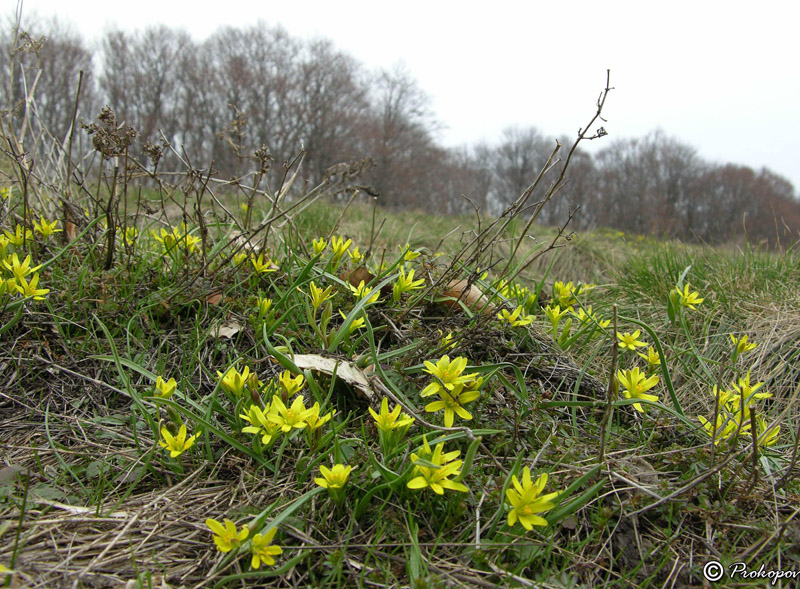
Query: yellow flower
x,y
319,296
239,259
587,316
767,437
226,537
356,324
355,255
448,374
390,420
261,266
168,240
234,381
636,385
260,425
502,287
405,283
263,550
335,478
361,292
28,289
518,291
436,477
514,318
263,305
130,235
447,341
527,500
313,419
408,253
564,294
652,357
453,401
319,245
745,393
687,299
8,286
19,236
288,418
190,242
44,228
176,445
5,193
630,341
19,270
181,236
724,428
165,390
290,384
554,314
725,396
742,345
340,246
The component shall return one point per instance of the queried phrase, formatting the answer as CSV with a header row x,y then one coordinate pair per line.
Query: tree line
x,y
244,91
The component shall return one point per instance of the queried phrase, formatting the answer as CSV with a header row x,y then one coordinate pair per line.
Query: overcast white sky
x,y
720,76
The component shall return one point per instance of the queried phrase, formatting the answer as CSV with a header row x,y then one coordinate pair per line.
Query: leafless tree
x,y
399,138
139,78
47,56
330,103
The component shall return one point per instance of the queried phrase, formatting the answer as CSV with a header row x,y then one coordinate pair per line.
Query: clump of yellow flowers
x,y
436,468
19,278
278,415
228,537
177,238
454,388
734,416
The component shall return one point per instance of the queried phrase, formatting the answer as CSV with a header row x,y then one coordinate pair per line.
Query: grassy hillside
x,y
215,400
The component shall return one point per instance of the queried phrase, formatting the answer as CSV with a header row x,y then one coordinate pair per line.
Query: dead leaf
x,y
214,298
70,230
344,370
76,509
228,329
8,474
469,294
360,274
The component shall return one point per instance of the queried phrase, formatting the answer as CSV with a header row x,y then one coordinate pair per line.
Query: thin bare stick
x,y
611,392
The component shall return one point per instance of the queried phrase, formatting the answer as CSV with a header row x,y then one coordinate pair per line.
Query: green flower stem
x,y
695,351
278,458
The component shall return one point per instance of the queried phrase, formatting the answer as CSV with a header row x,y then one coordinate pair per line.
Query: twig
x,y
611,392
690,485
754,433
